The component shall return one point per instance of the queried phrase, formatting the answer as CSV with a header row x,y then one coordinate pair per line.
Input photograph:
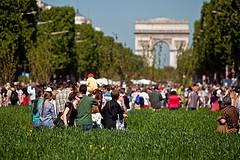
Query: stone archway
x,y
160,54
175,33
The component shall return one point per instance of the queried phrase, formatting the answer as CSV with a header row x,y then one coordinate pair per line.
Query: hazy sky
x,y
119,16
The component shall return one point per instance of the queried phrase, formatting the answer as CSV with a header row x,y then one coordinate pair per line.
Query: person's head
x,y
98,94
227,100
83,89
48,89
194,87
106,88
74,96
60,85
47,95
122,90
173,92
40,93
75,88
90,75
115,94
215,92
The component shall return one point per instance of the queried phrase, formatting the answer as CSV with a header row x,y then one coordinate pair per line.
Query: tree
x,y
104,57
186,65
7,61
217,43
40,59
58,30
18,21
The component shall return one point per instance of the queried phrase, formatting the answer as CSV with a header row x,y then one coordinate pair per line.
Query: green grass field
x,y
150,135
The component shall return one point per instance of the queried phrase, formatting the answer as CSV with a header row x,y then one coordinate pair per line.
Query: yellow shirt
x,y
91,84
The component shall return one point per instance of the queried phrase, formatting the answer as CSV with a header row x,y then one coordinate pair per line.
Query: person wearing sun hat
x,y
91,83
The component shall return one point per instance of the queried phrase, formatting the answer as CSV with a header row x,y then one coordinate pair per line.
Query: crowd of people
x,y
89,105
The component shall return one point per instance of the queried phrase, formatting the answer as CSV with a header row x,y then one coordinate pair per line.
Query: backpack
x,y
137,100
141,100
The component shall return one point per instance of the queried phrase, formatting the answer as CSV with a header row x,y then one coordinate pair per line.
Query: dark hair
x,y
83,89
215,92
107,87
122,90
72,96
39,94
173,93
47,95
115,94
227,100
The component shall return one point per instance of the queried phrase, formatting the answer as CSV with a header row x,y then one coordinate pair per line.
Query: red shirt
x,y
25,100
173,101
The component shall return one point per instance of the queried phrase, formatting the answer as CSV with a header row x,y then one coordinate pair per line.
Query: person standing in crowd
x,y
91,83
70,113
25,98
20,94
155,98
193,100
31,92
111,111
48,115
14,96
121,100
214,102
229,121
163,92
106,95
36,109
135,98
61,97
84,116
125,99
173,101
8,94
144,99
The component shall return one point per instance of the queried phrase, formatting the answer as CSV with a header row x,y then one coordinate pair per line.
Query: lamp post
x,y
115,35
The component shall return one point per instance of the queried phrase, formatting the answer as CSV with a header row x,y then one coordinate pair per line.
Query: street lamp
x,y
39,23
31,12
115,35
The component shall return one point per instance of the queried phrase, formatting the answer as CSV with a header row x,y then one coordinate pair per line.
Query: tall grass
x,y
150,135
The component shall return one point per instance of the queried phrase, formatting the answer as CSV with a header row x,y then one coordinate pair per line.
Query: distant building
x,y
43,5
97,29
80,19
152,34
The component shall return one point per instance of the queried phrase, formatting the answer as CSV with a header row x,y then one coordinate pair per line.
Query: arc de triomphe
x,y
148,33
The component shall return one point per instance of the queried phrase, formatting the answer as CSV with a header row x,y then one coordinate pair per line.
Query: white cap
x,y
48,89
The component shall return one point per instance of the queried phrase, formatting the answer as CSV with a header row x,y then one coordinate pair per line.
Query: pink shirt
x,y
173,101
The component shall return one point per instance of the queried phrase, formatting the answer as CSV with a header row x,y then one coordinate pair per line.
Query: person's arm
x,y
123,106
198,102
189,100
168,102
103,109
51,109
149,103
64,116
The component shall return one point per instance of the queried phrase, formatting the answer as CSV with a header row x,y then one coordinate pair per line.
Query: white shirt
x,y
145,96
